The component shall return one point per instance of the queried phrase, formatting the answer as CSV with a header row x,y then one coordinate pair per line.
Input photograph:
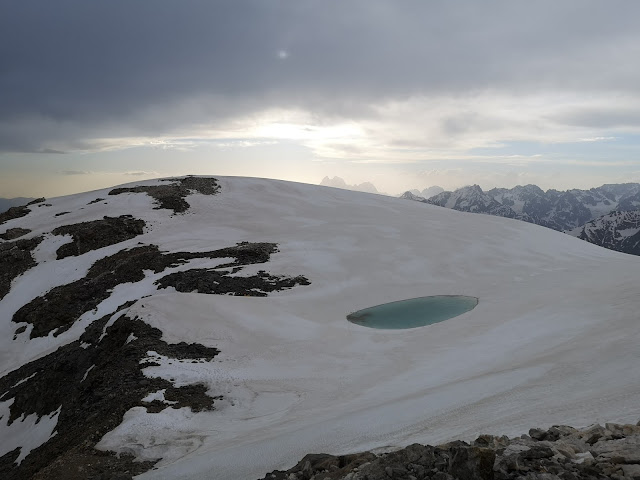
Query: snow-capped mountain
x,y
409,195
431,191
564,211
195,328
338,182
570,209
421,196
618,231
471,199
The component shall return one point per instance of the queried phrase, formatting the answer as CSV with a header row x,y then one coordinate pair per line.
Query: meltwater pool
x,y
414,312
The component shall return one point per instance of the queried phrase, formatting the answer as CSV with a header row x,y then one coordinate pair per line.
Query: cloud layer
x,y
365,81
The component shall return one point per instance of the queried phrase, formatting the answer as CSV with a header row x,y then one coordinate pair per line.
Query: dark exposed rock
x,y
473,463
7,203
92,382
15,259
558,431
17,212
61,213
63,305
14,212
491,441
172,196
96,234
214,282
594,433
333,467
13,233
59,308
97,200
491,457
537,451
538,434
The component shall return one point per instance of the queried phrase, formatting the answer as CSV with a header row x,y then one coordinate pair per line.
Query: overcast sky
x,y
403,94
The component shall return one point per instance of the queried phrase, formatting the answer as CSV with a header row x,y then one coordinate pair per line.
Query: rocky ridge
x,y
561,452
171,196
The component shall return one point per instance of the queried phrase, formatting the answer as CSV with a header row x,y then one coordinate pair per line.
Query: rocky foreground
x,y
562,452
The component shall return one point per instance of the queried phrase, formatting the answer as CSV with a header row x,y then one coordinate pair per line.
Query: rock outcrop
x,y
17,212
15,258
561,452
172,195
96,234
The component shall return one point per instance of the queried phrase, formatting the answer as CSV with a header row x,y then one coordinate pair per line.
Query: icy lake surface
x,y
414,312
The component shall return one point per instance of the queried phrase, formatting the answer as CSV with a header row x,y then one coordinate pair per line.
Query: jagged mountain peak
x,y
431,191
338,182
411,196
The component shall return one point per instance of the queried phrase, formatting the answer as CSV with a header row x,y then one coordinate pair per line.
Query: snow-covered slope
x,y
107,340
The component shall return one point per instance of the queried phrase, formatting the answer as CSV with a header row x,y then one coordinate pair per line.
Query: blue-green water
x,y
414,312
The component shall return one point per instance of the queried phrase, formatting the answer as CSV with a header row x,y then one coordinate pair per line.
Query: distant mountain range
x,y
606,215
338,182
369,187
424,194
7,203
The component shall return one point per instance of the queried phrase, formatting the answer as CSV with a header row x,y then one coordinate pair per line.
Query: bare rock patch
x,y
57,310
94,381
172,196
96,234
13,233
15,259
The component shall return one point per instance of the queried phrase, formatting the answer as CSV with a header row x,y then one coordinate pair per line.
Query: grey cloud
x,y
90,68
601,117
75,172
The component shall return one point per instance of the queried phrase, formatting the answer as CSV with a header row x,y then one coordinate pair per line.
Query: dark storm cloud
x,y
72,70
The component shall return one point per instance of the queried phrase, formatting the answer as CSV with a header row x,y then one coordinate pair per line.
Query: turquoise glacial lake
x,y
414,312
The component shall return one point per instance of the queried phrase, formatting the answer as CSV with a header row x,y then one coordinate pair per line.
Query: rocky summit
x,y
559,453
